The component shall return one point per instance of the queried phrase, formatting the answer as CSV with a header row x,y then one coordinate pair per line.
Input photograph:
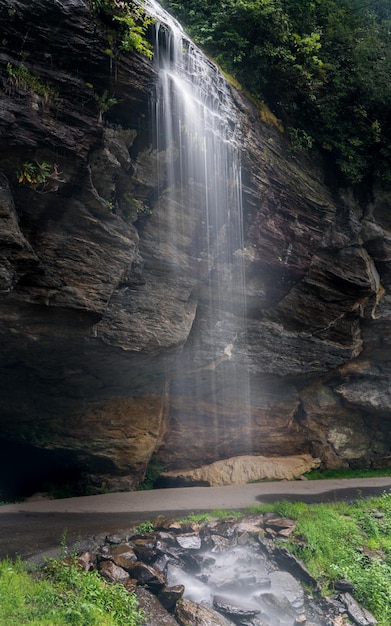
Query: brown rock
x,y
147,576
244,469
188,612
123,556
169,596
113,573
155,614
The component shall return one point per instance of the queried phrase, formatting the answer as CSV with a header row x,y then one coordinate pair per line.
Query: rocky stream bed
x,y
222,573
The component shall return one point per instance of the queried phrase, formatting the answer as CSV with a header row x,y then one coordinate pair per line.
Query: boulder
x,y
244,469
191,613
359,614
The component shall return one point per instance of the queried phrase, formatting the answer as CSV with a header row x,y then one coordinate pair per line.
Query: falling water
x,y
196,127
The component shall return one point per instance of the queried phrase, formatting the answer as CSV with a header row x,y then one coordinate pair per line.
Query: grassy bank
x,y
61,594
346,541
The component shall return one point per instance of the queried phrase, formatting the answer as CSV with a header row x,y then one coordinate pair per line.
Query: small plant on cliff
x,y
136,23
40,176
21,77
131,23
105,102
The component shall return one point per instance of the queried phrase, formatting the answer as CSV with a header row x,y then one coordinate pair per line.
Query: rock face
x,y
104,322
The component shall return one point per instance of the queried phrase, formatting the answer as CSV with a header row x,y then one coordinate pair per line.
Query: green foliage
x,y
128,25
152,473
136,24
21,77
198,518
133,209
40,176
144,528
34,173
64,596
105,102
370,472
323,67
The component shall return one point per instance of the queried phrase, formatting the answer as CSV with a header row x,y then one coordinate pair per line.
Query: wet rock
x,y
270,533
239,584
286,583
343,585
166,523
356,612
276,607
279,524
123,555
162,562
189,541
165,539
169,596
86,561
115,539
235,609
146,553
288,561
147,576
155,614
220,544
193,614
250,524
113,572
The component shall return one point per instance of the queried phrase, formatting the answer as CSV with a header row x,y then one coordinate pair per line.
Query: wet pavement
x,y
35,528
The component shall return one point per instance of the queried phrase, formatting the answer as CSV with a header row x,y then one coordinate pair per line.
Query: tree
x,y
323,66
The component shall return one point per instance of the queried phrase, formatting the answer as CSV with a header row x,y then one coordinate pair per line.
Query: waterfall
x,y
196,127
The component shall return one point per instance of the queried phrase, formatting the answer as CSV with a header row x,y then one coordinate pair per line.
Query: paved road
x,y
31,529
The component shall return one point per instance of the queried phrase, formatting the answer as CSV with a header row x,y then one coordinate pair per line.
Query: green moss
x,y
20,76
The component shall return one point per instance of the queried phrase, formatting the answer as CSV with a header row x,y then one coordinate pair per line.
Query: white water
x,y
196,124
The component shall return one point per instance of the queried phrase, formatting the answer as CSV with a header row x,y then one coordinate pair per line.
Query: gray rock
x,y
189,541
190,613
356,612
234,608
169,596
155,614
113,572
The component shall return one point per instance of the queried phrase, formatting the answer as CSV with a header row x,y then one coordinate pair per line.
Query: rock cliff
x,y
104,331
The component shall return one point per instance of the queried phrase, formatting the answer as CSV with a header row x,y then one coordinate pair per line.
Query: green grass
x,y
341,540
63,595
198,518
349,473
